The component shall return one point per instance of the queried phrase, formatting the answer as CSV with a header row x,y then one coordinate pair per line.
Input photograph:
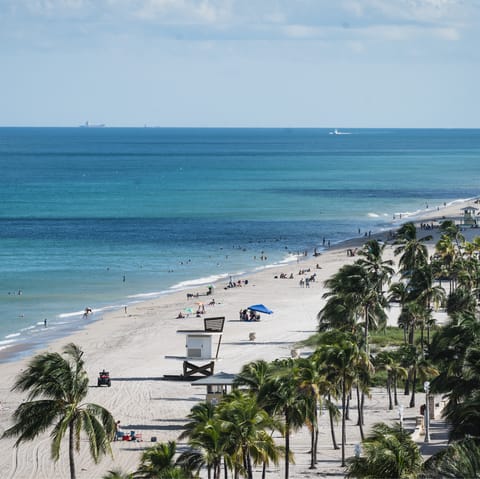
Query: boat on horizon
x,y
88,125
337,132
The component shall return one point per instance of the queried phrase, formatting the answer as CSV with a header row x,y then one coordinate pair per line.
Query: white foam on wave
x,y
70,315
14,335
202,281
7,342
82,312
290,258
421,211
28,328
154,294
373,215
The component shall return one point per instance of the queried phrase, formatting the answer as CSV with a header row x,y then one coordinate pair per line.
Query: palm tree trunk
x,y
312,449
287,445
414,385
249,466
316,444
332,425
422,341
395,397
71,450
407,383
366,331
360,418
389,391
344,428
264,470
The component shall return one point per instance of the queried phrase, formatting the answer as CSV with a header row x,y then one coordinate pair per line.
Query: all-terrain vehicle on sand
x,y
104,379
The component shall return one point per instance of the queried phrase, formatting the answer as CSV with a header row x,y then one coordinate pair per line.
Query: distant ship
x,y
88,125
336,132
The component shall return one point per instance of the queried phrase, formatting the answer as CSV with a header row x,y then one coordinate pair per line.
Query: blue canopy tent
x,y
260,308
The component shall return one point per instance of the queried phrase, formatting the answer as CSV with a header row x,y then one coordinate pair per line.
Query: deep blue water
x,y
80,209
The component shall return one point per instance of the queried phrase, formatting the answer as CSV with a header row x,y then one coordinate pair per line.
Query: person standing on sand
x,y
115,431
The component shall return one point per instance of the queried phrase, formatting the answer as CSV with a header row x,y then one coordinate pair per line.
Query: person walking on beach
x,y
45,322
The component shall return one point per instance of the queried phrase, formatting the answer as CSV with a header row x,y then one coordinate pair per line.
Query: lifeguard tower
x,y
469,213
217,385
201,344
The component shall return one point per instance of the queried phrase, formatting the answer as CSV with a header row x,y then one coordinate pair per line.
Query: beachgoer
x,y
45,322
115,434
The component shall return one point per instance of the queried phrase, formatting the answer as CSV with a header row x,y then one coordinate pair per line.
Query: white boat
x,y
336,132
88,125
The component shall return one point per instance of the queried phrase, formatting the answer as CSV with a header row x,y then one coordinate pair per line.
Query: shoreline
x,y
30,345
140,346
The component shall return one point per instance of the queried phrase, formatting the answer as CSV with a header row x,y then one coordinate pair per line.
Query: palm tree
x,y
246,427
314,384
384,362
157,462
456,351
57,385
412,249
461,301
117,474
354,295
379,270
459,459
388,452
283,396
341,357
254,375
206,438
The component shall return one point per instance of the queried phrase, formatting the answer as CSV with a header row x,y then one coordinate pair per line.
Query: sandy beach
x,y
141,345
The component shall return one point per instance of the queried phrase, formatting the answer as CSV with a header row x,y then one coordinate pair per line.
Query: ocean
x,y
103,217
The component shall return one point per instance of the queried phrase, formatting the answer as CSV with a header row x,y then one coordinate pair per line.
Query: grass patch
x,y
391,337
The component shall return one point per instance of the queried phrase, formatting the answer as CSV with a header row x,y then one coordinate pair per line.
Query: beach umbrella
x,y
260,308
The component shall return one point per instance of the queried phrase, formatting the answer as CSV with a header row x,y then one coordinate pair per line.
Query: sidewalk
x,y
438,439
438,434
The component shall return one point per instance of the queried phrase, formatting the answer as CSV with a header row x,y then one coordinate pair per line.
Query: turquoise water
x,y
104,217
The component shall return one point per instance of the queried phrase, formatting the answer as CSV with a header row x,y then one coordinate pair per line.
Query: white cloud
x,y
301,31
448,33
53,7
185,11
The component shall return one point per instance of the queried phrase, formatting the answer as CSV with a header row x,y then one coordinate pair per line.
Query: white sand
x,y
138,348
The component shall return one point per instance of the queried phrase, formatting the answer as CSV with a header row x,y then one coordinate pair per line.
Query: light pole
x,y
426,387
400,415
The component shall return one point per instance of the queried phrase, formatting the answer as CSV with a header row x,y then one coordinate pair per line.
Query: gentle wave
x,y
373,215
14,335
154,294
202,281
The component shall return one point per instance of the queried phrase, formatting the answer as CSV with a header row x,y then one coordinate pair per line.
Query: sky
x,y
240,63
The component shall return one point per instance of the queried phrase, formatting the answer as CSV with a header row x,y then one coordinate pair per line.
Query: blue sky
x,y
227,63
